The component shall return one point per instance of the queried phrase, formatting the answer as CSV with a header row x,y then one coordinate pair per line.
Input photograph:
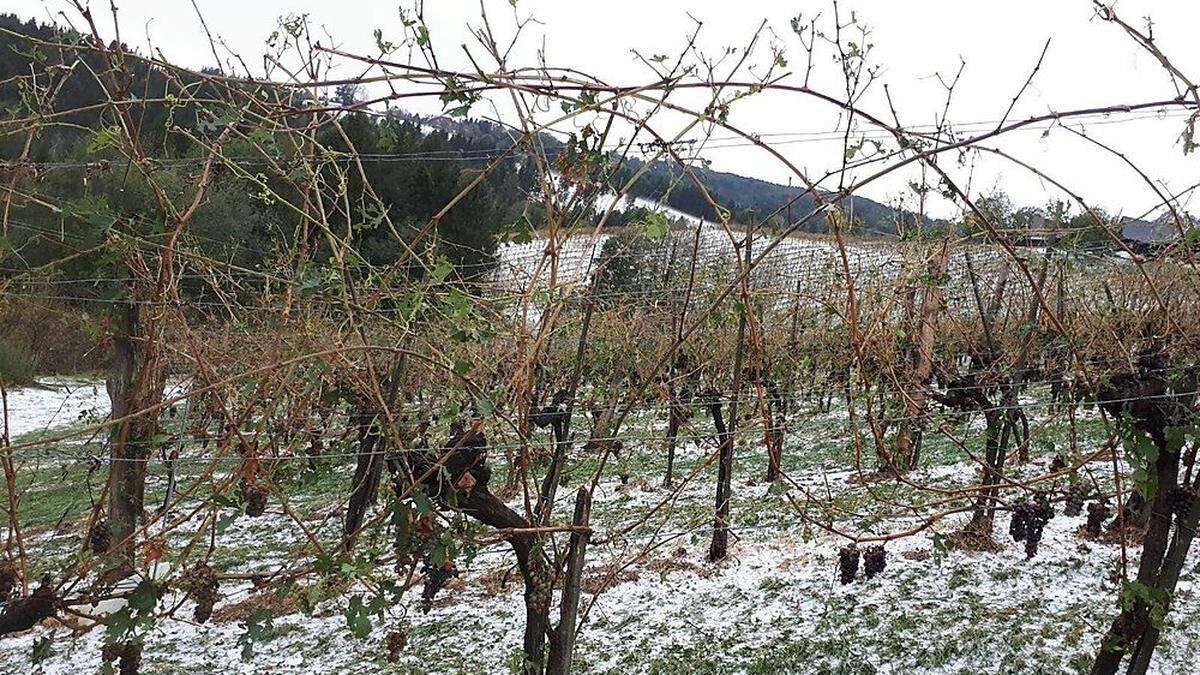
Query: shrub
x,y
16,365
54,341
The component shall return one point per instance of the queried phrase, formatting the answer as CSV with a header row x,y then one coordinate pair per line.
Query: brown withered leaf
x,y
465,482
155,548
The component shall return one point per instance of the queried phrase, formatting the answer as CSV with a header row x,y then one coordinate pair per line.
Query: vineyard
x,y
297,381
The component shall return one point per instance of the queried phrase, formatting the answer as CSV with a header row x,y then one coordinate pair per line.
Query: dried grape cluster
x,y
127,654
396,641
848,562
10,578
1028,521
1097,513
874,560
200,584
254,494
436,577
1073,503
1179,499
99,537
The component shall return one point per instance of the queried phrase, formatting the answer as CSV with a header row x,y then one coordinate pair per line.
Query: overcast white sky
x,y
1089,63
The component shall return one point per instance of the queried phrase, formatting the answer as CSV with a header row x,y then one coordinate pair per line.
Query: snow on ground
x,y
55,402
653,604
774,606
815,262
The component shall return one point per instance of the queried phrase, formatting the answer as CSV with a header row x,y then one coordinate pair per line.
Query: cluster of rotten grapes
x,y
1028,521
396,641
436,577
128,656
99,537
1074,500
1097,513
254,495
200,585
874,559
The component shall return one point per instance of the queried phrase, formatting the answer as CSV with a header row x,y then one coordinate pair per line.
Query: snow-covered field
x,y
520,265
653,603
56,402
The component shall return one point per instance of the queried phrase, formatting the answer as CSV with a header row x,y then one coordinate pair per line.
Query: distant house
x,y
1042,232
1149,237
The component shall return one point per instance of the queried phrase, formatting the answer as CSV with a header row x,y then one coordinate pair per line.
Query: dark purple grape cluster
x,y
848,562
1028,521
1018,525
1041,515
1179,499
128,656
99,537
10,578
254,494
436,577
874,560
200,584
1097,513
